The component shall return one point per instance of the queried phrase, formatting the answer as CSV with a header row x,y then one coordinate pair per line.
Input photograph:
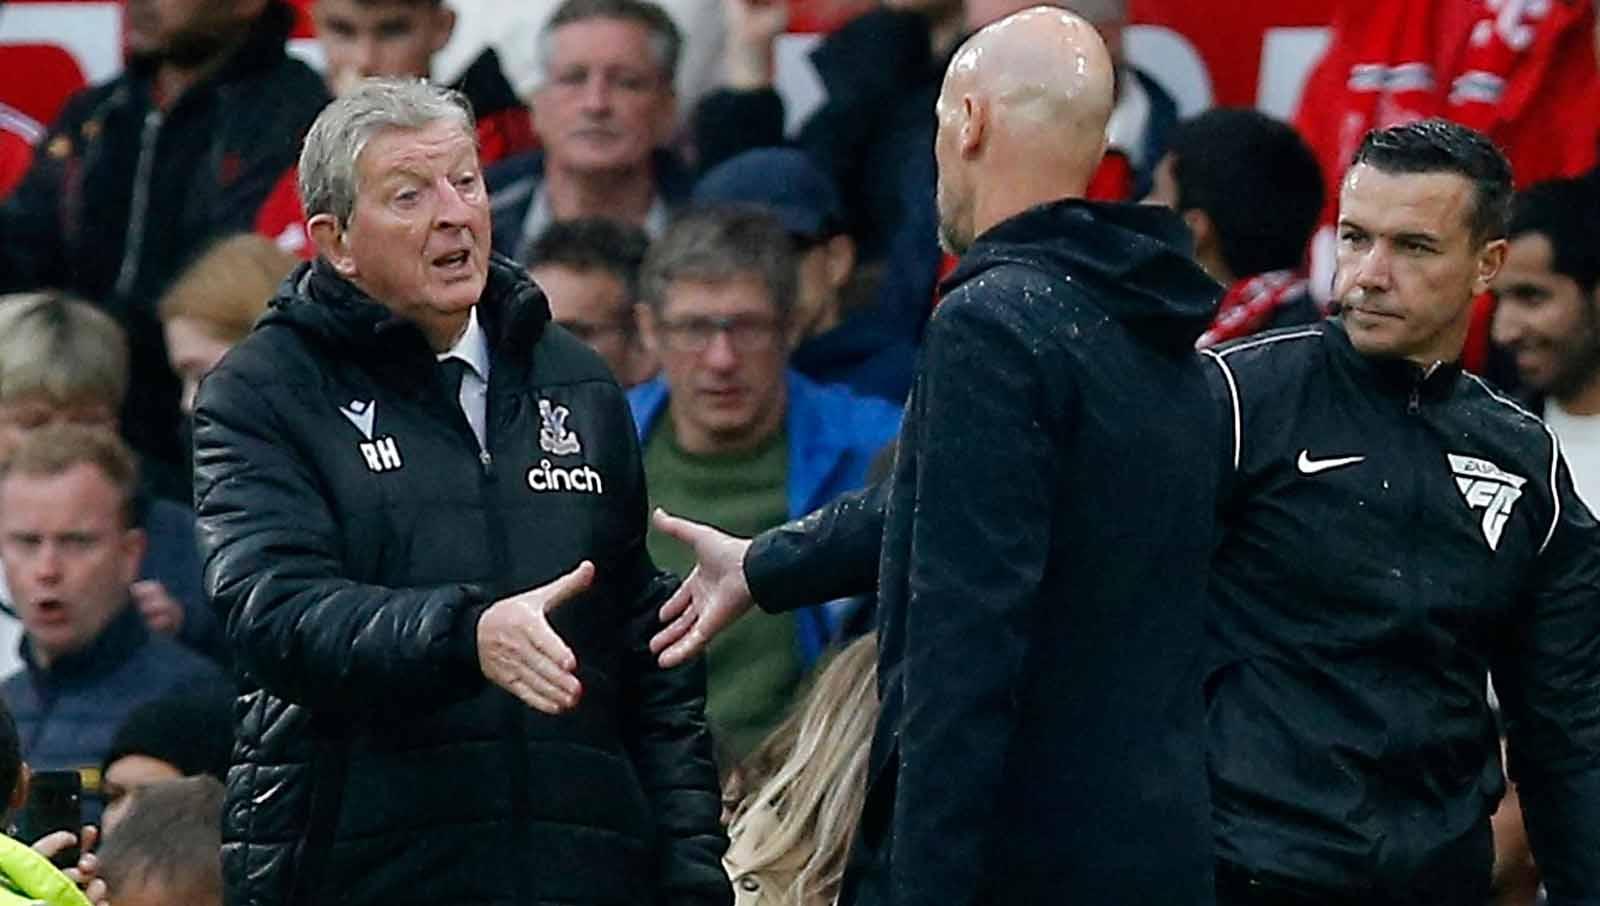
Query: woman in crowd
x,y
216,302
791,835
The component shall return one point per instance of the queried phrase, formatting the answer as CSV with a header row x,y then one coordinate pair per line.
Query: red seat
x,y
39,79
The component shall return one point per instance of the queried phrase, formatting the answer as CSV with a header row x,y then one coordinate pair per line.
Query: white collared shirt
x,y
472,347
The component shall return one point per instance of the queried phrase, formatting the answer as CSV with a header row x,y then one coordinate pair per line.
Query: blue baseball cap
x,y
782,180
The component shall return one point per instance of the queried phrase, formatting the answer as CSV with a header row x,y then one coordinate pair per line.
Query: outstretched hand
x,y
520,652
713,596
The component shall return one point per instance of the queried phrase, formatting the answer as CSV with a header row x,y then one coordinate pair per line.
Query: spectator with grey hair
x,y
604,110
734,437
401,475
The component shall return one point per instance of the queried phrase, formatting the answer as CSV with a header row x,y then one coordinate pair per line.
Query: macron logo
x,y
361,414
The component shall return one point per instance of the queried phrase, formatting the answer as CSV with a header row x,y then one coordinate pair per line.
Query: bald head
x,y
1022,115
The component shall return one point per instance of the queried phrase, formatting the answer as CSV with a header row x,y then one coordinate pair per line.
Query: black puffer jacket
x,y
352,535
1045,539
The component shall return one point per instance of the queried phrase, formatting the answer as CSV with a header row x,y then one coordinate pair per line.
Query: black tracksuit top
x,y
1391,536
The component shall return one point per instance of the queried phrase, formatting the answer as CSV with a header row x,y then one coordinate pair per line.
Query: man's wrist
x,y
750,69
464,634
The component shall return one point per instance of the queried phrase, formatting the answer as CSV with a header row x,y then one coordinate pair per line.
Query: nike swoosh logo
x,y
1309,466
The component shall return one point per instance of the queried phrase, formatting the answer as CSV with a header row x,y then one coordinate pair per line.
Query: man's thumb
x,y
569,586
675,527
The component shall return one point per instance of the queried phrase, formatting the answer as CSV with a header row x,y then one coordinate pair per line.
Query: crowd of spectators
x,y
760,294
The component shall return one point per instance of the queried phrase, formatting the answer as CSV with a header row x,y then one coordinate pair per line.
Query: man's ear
x,y
133,544
1490,260
666,123
645,317
332,244
841,260
974,125
19,796
1202,229
444,25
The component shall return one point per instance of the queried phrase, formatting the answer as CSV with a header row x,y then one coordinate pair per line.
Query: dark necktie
x,y
451,373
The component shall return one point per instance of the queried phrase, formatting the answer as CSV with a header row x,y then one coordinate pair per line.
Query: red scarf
x,y
1249,305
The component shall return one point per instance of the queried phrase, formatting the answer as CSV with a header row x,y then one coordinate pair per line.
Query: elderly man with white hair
x,y
400,476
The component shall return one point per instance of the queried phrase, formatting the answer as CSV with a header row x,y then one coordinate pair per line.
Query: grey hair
x,y
718,243
665,38
328,176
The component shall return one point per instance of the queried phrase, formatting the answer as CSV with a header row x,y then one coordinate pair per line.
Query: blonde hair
x,y
54,346
816,791
226,289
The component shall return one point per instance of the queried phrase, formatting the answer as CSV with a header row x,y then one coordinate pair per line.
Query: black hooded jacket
x,y
1043,565
353,533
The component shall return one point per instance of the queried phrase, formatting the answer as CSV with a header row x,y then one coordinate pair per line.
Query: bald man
x,y
1045,533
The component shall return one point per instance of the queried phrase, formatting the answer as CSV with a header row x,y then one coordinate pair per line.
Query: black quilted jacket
x,y
352,535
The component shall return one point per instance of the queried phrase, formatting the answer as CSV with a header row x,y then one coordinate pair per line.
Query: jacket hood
x,y
1132,259
331,311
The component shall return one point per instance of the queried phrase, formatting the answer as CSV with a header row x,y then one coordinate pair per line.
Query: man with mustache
x,y
401,475
1393,533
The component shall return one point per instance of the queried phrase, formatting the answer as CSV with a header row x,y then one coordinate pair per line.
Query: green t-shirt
x,y
753,667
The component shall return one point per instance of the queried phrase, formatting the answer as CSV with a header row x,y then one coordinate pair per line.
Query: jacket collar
x,y
1396,377
122,637
332,312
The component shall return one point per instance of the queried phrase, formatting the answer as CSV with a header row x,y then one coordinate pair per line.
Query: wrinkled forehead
x,y
439,146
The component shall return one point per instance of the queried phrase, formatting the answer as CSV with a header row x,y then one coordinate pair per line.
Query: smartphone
x,y
55,803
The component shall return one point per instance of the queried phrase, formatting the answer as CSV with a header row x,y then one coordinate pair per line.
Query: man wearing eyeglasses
x,y
735,438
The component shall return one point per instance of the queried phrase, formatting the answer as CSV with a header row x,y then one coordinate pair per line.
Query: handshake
x,y
520,652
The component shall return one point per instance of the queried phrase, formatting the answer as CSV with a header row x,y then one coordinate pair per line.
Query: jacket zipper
x,y
1402,826
133,244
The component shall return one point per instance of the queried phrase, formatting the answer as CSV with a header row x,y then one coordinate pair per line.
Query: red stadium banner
x,y
49,48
